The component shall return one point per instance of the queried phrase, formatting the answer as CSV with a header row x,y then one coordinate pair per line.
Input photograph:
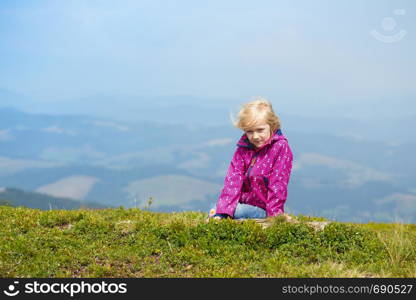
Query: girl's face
x,y
258,134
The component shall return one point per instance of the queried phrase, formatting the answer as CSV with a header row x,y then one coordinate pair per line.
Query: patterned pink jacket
x,y
258,176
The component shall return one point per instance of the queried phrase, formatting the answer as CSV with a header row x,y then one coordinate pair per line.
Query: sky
x,y
319,52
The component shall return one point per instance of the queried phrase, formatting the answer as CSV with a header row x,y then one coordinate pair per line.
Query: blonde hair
x,y
256,111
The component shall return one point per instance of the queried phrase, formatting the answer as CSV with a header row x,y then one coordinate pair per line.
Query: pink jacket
x,y
258,176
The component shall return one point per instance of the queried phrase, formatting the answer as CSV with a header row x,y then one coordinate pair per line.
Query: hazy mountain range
x,y
17,197
344,168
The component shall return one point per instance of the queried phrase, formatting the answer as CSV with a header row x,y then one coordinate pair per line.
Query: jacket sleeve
x,y
279,180
231,192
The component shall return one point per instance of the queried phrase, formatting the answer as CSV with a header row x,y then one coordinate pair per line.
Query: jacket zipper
x,y
253,161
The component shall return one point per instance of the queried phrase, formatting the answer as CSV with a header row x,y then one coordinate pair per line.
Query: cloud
x,y
10,166
218,142
320,52
404,206
5,135
59,130
300,59
403,200
111,125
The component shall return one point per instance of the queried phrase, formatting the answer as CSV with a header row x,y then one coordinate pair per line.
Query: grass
x,y
121,243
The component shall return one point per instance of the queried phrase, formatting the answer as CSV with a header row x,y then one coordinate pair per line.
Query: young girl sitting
x,y
256,182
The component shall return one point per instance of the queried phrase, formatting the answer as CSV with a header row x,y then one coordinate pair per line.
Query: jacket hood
x,y
244,141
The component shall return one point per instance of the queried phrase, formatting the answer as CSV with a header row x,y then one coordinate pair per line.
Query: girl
x,y
256,182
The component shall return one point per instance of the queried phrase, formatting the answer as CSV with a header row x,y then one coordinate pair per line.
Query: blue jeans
x,y
246,211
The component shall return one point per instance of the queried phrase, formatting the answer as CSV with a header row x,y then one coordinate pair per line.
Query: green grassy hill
x,y
138,243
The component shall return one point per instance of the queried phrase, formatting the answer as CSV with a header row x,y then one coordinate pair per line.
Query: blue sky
x,y
320,51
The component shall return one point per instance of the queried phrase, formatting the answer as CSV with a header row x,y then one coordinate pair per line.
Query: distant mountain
x,y
122,108
18,197
15,100
375,119
182,167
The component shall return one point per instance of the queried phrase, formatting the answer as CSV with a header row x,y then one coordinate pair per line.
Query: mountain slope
x,y
17,197
344,177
